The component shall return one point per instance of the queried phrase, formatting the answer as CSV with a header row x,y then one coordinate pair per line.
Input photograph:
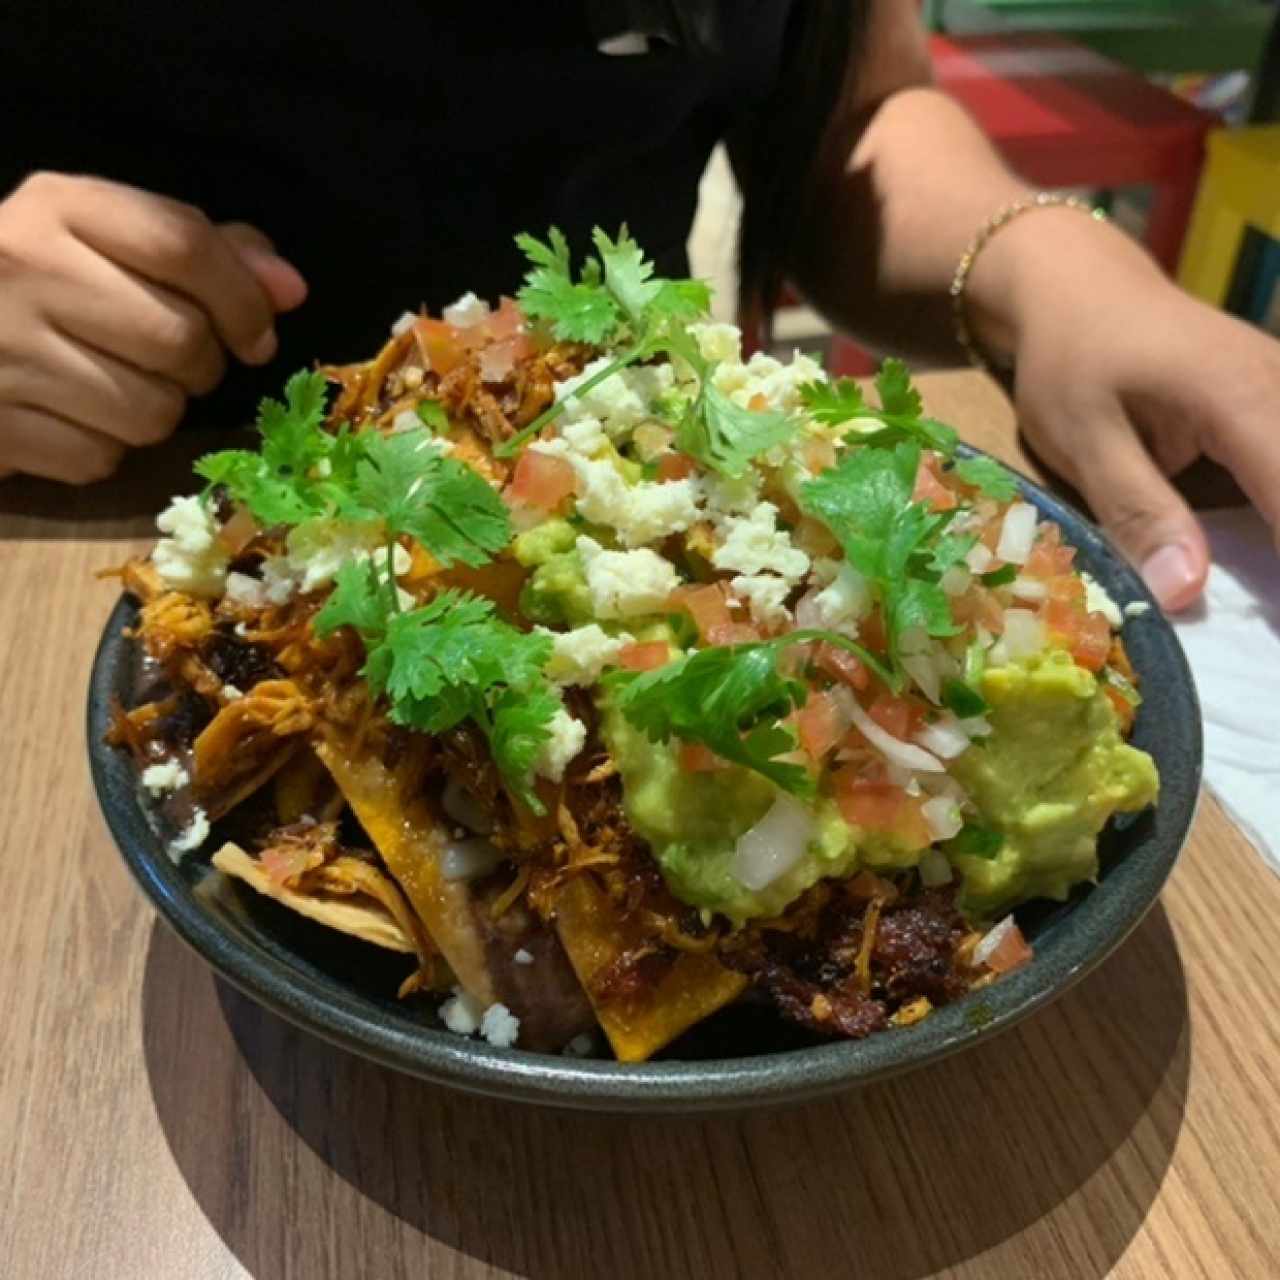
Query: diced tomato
x,y
541,480
1068,589
898,717
929,486
696,758
732,633
872,633
644,655
842,665
707,605
1093,643
1049,558
439,344
675,466
820,725
507,321
881,807
1012,952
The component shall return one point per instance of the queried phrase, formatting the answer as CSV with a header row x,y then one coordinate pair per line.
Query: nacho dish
x,y
612,678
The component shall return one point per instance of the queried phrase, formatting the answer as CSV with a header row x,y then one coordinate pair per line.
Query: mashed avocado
x,y
556,593
1054,769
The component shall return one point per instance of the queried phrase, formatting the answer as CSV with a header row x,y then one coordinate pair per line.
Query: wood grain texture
x,y
154,1123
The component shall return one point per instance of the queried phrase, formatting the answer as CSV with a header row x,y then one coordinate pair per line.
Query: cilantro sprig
x,y
304,471
731,699
617,301
897,544
452,659
900,412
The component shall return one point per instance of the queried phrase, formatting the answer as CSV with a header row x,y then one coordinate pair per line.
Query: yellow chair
x,y
1240,188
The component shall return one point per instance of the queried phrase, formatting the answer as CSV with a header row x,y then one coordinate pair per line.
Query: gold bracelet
x,y
1001,218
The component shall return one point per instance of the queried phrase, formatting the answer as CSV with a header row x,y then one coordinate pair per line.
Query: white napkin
x,y
1232,639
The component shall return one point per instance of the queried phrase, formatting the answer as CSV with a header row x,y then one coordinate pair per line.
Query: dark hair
x,y
776,150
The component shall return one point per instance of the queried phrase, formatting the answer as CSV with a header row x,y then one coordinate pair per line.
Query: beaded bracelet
x,y
1001,218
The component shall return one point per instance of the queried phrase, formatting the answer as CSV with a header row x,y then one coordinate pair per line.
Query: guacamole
x,y
1054,769
1048,777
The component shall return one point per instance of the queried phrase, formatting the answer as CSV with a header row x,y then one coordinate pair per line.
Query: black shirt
x,y
390,150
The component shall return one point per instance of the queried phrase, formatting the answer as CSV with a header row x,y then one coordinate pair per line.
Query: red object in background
x,y
1065,116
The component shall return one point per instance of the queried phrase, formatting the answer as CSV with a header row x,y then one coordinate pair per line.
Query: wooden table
x,y
155,1124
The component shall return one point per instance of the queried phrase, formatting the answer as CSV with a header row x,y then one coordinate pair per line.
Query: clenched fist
x,y
116,305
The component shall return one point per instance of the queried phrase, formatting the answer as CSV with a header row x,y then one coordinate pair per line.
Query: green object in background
x,y
1147,35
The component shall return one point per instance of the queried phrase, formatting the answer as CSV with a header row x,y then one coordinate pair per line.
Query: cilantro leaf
x,y
950,550
359,599
520,725
726,437
731,699
991,477
581,311
432,416
627,273
1000,577
900,412
449,508
293,439
975,841
963,699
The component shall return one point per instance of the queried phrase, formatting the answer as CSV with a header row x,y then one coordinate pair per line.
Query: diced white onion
x,y
467,859
1024,633
944,737
774,845
925,673
893,749
466,312
496,362
975,726
403,324
995,936
979,558
463,807
913,640
934,868
903,778
955,581
942,816
1029,589
1017,533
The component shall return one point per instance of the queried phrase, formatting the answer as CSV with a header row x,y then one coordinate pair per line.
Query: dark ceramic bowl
x,y
742,1057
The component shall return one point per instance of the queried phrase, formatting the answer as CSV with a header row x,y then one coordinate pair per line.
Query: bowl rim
x,y
354,1022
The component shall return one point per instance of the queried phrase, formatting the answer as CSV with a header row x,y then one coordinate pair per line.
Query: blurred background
x,y
1165,112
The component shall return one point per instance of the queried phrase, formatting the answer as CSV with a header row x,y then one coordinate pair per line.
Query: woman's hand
x,y
1123,380
117,305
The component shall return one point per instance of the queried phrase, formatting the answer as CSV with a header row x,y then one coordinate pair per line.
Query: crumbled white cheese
x,y
318,548
720,342
845,600
580,655
461,1013
246,590
523,957
192,836
621,400
1098,601
467,311
732,495
763,382
405,420
766,595
641,512
1136,608
403,323
232,693
567,737
753,544
191,558
499,1026
169,775
624,584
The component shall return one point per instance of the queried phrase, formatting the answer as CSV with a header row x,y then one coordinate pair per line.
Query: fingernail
x,y
1170,573
264,348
